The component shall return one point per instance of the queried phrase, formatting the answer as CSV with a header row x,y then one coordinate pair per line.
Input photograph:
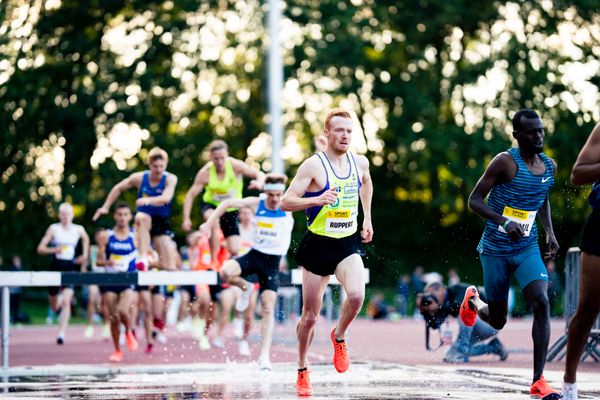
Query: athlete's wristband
x,y
505,224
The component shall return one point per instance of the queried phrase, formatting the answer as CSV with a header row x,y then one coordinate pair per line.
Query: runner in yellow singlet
x,y
221,179
328,187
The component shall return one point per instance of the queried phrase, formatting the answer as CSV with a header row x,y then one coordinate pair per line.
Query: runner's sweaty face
x,y
339,134
531,135
245,215
65,215
157,168
273,201
122,217
218,158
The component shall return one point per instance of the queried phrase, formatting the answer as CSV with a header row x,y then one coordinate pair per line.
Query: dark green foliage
x,y
423,173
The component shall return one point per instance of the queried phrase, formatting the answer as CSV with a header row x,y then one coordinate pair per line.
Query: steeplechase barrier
x,y
50,279
571,298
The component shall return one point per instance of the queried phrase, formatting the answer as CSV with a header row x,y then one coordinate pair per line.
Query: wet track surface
x,y
246,381
393,366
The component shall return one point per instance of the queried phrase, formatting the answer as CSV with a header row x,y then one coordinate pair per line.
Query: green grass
x,y
34,302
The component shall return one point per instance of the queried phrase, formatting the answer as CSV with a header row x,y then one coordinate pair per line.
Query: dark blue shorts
x,y
527,267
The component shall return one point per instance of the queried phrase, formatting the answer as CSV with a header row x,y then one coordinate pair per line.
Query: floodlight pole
x,y
275,86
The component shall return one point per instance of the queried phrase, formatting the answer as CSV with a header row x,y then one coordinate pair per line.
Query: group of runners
x,y
329,187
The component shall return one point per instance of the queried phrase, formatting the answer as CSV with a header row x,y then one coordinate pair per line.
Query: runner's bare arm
x,y
252,202
199,182
292,200
83,259
164,198
131,181
545,216
102,242
366,195
495,173
241,168
43,248
587,166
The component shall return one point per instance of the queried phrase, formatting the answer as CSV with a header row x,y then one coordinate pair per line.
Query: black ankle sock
x,y
340,340
303,369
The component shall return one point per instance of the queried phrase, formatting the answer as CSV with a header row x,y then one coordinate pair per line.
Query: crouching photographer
x,y
438,302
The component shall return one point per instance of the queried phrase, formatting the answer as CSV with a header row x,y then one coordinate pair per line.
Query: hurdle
x,y
571,298
48,279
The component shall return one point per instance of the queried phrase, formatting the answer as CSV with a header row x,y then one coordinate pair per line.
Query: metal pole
x,y
5,324
275,87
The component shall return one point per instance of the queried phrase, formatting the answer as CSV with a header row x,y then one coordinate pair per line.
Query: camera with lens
x,y
428,299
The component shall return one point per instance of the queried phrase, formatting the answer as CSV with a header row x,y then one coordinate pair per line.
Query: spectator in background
x,y
402,293
437,303
432,277
417,280
453,278
377,307
555,286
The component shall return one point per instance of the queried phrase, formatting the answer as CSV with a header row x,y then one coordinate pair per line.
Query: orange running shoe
x,y
340,354
116,356
467,312
542,390
131,341
303,385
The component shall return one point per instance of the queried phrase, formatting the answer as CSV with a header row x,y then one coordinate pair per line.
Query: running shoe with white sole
x,y
569,391
159,336
89,332
218,342
341,362
244,348
106,331
238,328
264,363
203,343
243,301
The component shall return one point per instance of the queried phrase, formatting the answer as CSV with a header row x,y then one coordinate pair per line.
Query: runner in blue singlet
x,y
518,182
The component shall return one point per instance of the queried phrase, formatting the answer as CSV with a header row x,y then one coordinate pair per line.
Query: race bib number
x,y
67,252
525,219
339,221
219,197
266,232
120,263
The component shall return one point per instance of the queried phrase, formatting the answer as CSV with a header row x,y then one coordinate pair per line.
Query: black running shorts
x,y
590,237
265,266
321,254
191,290
215,292
62,266
228,221
160,226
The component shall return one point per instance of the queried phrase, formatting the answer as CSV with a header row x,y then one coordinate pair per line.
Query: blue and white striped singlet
x,y
518,200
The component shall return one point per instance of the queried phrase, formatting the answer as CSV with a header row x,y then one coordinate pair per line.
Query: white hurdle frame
x,y
47,279
50,278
